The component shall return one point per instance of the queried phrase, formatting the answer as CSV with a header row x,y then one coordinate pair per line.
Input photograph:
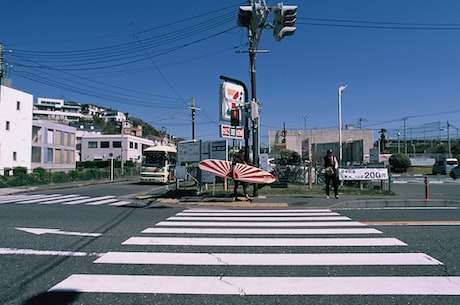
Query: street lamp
x,y
341,89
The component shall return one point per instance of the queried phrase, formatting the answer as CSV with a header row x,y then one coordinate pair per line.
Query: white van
x,y
444,166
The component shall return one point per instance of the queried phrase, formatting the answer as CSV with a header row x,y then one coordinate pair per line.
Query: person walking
x,y
240,158
331,169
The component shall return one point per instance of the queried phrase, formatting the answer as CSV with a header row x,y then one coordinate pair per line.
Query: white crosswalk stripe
x,y
72,199
246,230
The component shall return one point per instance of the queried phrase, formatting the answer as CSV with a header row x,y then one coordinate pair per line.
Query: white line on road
x,y
286,211
263,259
256,213
14,251
260,224
262,231
287,218
223,285
264,242
40,231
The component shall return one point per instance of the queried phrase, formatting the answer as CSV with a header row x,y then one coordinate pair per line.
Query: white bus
x,y
158,164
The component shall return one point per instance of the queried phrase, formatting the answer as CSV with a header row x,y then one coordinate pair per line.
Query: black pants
x,y
335,184
235,189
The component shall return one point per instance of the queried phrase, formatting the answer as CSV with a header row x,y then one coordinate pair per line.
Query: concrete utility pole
x,y
254,16
193,108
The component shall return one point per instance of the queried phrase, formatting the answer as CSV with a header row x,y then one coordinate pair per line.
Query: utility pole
x,y
193,108
254,16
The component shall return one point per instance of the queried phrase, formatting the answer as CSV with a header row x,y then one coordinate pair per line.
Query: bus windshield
x,y
156,159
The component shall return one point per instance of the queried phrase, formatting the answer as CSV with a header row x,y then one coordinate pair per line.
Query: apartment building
x,y
53,146
15,125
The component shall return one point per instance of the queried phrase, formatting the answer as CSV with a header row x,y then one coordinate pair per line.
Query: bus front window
x,y
155,159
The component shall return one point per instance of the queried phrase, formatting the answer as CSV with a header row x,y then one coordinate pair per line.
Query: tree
x,y
288,157
400,163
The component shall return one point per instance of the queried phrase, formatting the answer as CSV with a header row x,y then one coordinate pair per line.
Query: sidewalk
x,y
410,199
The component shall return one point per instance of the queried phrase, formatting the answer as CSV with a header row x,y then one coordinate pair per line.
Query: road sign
x,y
235,132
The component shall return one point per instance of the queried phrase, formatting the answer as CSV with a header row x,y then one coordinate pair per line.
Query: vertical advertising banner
x,y
231,96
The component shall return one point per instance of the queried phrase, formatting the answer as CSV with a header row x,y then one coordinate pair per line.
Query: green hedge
x,y
93,170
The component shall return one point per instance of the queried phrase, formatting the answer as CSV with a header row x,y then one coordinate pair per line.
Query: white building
x,y
53,146
116,146
56,110
15,129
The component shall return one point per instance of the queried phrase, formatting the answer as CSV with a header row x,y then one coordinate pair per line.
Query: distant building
x,y
56,110
15,129
116,146
356,143
53,146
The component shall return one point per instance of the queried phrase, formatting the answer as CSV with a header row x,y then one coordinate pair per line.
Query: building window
x,y
136,145
49,136
116,144
57,156
15,156
92,144
7,125
58,137
36,154
72,139
49,155
131,144
66,139
65,156
105,144
18,105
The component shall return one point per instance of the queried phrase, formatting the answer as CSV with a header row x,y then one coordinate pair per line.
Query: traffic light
x,y
285,17
250,16
244,16
235,117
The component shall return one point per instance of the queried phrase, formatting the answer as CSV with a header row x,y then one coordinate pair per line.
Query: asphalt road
x,y
59,266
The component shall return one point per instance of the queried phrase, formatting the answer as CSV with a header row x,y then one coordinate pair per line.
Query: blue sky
x,y
398,58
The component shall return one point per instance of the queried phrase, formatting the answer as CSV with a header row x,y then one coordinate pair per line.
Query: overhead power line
x,y
379,25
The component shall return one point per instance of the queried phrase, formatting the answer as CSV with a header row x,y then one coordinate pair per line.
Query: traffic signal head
x,y
285,17
235,117
250,16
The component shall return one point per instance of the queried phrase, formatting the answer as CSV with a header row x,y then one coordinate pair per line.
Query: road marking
x,y
255,213
415,223
62,199
260,224
15,198
261,231
264,259
264,242
231,285
284,211
120,203
14,251
287,218
87,200
38,199
40,231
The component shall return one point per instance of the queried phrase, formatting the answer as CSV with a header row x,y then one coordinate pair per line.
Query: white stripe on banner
x,y
263,259
260,224
261,231
264,242
287,218
223,285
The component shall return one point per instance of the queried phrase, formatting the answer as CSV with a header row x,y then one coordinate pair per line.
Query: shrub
x,y
400,163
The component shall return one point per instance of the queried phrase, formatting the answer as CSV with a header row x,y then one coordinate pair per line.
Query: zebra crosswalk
x,y
264,239
50,199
